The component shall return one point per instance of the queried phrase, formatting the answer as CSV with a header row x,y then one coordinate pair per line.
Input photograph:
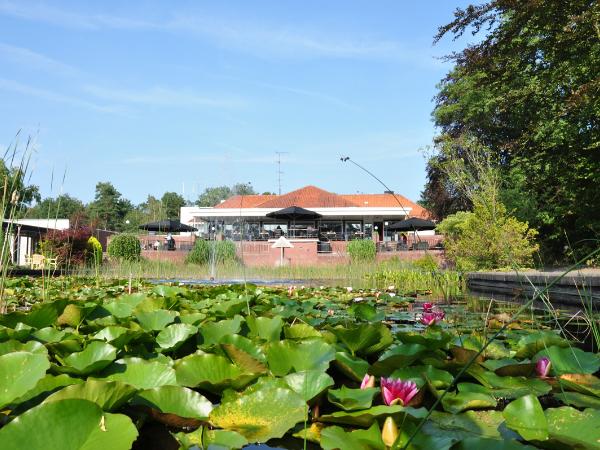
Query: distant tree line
x,y
111,211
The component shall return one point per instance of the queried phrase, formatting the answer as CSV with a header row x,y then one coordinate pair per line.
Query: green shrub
x,y
125,246
362,250
224,251
427,263
94,251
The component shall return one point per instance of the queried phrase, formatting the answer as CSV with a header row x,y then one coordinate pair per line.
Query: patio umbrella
x,y
169,226
412,224
294,213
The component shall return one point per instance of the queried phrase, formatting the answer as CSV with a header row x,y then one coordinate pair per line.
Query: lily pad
x,y
576,429
96,356
351,366
212,372
223,439
461,401
365,418
244,353
109,395
352,399
397,356
71,424
309,383
335,437
265,328
570,360
301,331
155,320
526,416
20,372
261,415
140,373
214,332
287,356
364,339
177,400
174,335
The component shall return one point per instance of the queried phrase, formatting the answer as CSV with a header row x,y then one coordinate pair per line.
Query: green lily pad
x,y
214,332
177,400
534,342
260,415
95,357
109,395
45,386
223,439
174,335
309,383
366,417
140,373
477,443
335,437
12,345
301,331
212,372
71,424
244,353
310,354
351,366
364,339
461,401
578,400
440,379
116,335
576,429
265,328
352,399
397,356
155,320
526,416
20,372
570,360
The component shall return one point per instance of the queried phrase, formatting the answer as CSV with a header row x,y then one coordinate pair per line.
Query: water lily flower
x,y
330,312
349,289
358,299
427,306
368,382
397,391
542,367
432,318
291,290
389,433
391,288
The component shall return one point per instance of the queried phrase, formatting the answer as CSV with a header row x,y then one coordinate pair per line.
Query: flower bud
x,y
389,434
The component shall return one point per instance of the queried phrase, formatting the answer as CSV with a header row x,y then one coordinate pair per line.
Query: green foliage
x,y
63,206
427,263
125,247
203,251
529,90
214,195
362,250
109,208
480,240
70,246
171,203
94,251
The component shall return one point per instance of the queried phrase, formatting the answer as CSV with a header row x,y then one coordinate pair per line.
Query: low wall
x,y
569,290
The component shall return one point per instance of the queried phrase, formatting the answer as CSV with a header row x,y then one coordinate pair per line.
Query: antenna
x,y
279,172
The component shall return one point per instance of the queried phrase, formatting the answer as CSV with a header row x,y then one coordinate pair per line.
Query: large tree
x,y
109,208
530,92
15,193
63,206
214,195
172,203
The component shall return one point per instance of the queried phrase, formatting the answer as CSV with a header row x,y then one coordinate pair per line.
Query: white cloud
x,y
162,96
15,86
32,59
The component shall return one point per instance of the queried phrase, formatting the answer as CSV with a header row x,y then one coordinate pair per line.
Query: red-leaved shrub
x,y
70,247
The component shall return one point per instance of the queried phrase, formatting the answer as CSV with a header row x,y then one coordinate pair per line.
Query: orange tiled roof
x,y
387,201
314,197
245,201
308,197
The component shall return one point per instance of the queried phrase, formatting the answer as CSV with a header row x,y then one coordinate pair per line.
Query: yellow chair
x,y
37,261
50,263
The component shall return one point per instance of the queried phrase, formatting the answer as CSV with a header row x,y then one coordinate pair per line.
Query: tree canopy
x,y
530,92
214,195
63,206
109,208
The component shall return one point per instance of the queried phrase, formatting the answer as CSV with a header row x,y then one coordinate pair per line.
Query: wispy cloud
x,y
15,86
31,59
162,96
262,39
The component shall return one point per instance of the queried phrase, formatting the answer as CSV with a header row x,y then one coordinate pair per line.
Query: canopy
x,y
412,224
294,213
170,226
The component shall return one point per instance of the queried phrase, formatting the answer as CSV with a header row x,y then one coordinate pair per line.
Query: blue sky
x,y
156,96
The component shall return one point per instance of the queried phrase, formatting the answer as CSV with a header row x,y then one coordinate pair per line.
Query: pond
x,y
141,365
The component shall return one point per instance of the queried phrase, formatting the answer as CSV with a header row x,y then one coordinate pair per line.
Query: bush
x,y
69,247
427,264
224,251
94,251
125,247
362,250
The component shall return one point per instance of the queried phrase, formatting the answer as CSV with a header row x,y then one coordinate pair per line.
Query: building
x,y
343,216
25,234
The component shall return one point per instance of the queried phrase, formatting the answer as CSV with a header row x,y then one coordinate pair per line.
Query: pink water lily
x,y
427,306
397,391
432,317
542,367
368,382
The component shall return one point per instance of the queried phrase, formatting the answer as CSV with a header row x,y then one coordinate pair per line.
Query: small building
x,y
25,234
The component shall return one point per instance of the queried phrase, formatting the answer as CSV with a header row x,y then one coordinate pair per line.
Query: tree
x,y
530,92
15,194
214,195
172,203
63,206
109,208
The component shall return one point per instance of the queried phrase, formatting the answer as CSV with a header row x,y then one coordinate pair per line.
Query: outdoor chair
x,y
37,261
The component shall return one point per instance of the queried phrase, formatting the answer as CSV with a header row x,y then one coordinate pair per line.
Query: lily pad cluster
x,y
96,367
